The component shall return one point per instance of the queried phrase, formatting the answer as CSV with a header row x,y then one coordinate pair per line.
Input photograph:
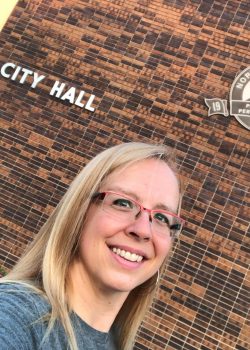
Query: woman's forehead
x,y
154,168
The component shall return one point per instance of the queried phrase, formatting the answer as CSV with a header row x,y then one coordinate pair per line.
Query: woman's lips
x,y
126,257
124,263
130,253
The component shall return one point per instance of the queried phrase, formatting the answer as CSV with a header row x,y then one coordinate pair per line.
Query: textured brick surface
x,y
150,65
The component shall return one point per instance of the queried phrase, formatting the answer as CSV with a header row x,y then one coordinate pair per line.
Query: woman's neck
x,y
96,305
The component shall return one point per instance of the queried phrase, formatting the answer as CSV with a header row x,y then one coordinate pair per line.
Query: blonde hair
x,y
44,266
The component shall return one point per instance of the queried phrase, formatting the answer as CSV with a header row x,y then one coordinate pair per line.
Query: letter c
x,y
3,69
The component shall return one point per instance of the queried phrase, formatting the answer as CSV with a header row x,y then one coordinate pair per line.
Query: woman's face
x,y
151,183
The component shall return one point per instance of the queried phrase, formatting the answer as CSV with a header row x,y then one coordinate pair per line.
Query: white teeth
x,y
127,255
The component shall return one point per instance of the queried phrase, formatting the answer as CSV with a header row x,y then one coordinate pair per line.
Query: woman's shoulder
x,y
21,308
17,296
15,286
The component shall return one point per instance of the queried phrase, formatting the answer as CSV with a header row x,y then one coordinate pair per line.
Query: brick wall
x,y
149,64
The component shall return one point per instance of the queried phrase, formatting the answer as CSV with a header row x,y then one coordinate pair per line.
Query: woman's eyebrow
x,y
123,191
166,207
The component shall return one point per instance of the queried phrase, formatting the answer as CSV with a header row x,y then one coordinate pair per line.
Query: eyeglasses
x,y
127,210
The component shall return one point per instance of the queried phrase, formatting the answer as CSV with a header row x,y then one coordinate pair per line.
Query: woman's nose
x,y
140,228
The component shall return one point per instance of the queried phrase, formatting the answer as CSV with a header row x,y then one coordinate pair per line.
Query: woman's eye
x,y
175,227
162,219
123,203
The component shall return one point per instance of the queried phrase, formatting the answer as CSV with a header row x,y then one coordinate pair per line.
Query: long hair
x,y
45,264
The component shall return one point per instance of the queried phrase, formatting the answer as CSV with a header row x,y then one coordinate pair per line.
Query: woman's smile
x,y
125,259
127,254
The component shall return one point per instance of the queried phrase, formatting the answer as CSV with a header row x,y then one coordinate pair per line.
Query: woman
x,y
91,273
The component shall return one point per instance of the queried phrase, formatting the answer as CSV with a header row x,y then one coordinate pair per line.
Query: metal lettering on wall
x,y
239,100
59,90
